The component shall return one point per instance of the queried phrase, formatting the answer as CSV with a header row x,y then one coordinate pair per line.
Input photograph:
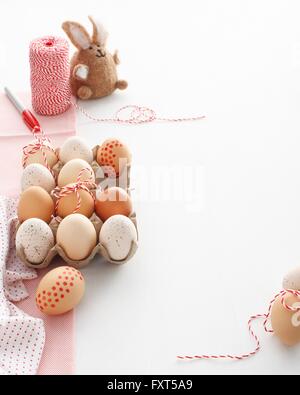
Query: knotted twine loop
x,y
135,115
43,144
266,317
87,185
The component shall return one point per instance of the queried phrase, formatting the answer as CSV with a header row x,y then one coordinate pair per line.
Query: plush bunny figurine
x,y
93,68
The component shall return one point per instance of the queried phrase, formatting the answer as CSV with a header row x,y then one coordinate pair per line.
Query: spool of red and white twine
x,y
50,75
257,348
87,185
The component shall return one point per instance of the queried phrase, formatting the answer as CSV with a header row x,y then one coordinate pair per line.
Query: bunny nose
x,y
101,52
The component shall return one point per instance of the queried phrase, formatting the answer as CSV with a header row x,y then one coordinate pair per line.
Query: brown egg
x,y
285,323
60,291
35,202
67,204
113,156
113,201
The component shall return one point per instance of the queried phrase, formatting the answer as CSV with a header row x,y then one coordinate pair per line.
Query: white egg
x,y
292,280
36,175
77,237
117,235
71,170
36,239
75,148
38,157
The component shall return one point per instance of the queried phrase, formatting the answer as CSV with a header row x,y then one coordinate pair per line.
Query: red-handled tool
x,y
29,119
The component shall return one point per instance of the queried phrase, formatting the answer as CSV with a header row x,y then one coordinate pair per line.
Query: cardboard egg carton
x,y
100,249
123,181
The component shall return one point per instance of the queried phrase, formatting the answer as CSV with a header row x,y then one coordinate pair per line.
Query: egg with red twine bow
x,y
35,151
286,320
74,199
60,291
75,170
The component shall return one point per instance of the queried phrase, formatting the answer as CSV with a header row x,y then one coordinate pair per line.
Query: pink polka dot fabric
x,y
58,353
22,338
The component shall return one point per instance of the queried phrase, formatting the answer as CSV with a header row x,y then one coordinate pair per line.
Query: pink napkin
x,y
22,338
58,355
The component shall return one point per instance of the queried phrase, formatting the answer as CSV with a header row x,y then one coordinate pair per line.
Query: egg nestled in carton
x,y
75,148
110,161
39,176
37,151
84,221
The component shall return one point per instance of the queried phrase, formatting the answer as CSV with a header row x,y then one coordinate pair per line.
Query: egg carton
x,y
122,181
100,249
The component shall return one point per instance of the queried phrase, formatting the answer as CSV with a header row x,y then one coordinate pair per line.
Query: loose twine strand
x,y
135,115
79,185
257,348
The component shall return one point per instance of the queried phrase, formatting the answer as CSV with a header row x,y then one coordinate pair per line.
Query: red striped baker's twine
x,y
137,115
50,75
253,335
42,144
86,185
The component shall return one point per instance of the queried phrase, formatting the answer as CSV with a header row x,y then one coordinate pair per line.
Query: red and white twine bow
x,y
78,186
266,317
42,144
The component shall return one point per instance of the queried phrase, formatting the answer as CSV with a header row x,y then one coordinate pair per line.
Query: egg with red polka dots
x,y
113,156
60,290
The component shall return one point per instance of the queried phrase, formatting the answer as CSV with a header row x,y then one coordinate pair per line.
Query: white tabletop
x,y
218,201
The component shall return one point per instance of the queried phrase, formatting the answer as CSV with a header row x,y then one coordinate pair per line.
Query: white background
x,y
198,275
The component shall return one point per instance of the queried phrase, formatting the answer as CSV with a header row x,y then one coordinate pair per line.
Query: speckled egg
x,y
75,148
117,235
292,280
113,156
37,175
60,291
77,236
36,239
71,170
37,157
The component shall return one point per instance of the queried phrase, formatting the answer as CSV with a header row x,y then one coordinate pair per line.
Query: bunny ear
x,y
100,35
77,34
